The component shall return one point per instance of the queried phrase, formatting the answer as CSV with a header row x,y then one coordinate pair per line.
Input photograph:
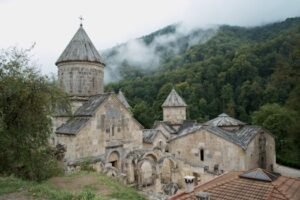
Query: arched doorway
x,y
114,159
151,156
147,172
167,167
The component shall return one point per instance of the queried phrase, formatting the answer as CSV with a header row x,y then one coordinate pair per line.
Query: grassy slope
x,y
101,188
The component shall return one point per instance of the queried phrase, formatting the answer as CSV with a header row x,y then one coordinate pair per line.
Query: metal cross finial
x,y
81,19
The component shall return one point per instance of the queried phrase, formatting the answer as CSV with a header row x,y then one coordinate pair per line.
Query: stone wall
x,y
81,78
112,125
216,151
253,152
287,171
159,141
175,115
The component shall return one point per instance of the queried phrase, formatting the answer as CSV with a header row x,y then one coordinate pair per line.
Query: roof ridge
x,y
279,191
285,182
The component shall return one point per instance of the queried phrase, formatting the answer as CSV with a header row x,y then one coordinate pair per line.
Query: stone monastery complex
x,y
103,132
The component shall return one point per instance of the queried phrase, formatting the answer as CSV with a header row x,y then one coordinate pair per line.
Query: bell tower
x,y
174,108
80,69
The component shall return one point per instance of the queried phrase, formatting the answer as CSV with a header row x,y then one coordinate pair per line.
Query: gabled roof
x,y
224,120
174,100
150,134
241,137
85,113
122,98
82,115
166,125
232,186
80,48
73,126
260,175
89,107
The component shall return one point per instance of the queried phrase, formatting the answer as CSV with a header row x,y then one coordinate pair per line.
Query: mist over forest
x,y
245,72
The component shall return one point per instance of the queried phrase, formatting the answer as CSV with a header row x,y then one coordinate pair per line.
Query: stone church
x,y
103,132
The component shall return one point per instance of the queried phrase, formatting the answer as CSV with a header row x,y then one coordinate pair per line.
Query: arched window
x,y
160,144
202,154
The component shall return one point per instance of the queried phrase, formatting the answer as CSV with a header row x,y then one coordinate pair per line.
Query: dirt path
x,y
16,196
76,184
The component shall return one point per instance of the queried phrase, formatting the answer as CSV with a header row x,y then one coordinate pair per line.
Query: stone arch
x,y
167,167
152,156
114,159
146,172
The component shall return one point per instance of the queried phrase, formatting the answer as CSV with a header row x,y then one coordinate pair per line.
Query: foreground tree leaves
x,y
27,102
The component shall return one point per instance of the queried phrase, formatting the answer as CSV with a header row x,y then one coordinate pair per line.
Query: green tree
x,y
278,120
27,102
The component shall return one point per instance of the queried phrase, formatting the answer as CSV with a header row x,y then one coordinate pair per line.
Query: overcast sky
x,y
52,23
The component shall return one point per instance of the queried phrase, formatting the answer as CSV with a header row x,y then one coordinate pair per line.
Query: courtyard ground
x,y
79,186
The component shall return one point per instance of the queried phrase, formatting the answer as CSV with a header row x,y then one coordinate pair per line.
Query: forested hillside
x,y
250,73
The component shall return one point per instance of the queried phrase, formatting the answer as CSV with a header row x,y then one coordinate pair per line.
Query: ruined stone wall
x,y
253,151
81,78
215,151
175,115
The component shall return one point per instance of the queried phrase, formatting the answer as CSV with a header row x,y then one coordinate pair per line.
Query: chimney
x,y
203,196
189,183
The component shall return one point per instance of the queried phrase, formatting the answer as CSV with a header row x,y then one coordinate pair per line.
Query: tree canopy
x,y
237,71
27,102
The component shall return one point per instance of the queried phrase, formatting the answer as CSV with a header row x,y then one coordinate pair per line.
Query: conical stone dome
x,y
80,69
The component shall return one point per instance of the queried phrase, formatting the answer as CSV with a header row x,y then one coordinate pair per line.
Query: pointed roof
x,y
80,48
224,120
260,175
122,98
174,100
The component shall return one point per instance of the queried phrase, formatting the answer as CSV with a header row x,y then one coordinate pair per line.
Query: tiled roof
x,y
80,48
174,100
231,186
122,98
224,120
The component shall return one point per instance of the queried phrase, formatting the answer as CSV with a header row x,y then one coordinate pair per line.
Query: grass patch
x,y
100,187
11,184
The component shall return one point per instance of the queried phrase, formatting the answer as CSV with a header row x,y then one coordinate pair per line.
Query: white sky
x,y
52,23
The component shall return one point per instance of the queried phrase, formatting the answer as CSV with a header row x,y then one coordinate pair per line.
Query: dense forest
x,y
249,73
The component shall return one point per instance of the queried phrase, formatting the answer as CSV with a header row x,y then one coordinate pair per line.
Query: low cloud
x,y
149,55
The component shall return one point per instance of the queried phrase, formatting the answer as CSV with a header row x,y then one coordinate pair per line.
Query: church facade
x,y
102,131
